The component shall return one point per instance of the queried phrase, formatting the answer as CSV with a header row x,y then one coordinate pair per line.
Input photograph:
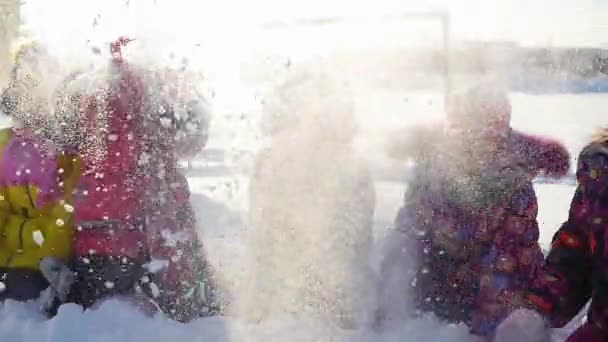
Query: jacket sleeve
x,y
59,231
511,263
563,285
5,208
543,155
52,233
46,229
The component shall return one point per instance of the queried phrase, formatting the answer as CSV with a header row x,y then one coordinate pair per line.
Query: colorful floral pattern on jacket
x,y
477,239
575,270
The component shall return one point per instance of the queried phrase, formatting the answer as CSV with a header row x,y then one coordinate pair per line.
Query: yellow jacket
x,y
36,186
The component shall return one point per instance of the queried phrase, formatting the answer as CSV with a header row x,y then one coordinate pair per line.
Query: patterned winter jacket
x,y
184,280
575,269
36,206
474,232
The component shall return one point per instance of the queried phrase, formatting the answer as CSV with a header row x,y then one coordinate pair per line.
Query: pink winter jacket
x,y
133,202
110,191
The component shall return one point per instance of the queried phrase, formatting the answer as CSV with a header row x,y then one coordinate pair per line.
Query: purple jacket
x,y
575,269
475,232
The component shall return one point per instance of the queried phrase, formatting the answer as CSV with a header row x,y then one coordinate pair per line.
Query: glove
x,y
59,276
523,325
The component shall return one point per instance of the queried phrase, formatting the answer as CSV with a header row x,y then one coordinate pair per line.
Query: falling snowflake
x,y
171,239
38,237
155,290
155,266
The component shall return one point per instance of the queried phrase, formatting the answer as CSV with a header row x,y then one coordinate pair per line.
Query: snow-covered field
x,y
221,205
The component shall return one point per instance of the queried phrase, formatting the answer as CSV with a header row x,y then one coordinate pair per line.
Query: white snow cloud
x,y
229,25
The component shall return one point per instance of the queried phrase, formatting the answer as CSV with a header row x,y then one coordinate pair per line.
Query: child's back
x,y
311,204
470,216
312,210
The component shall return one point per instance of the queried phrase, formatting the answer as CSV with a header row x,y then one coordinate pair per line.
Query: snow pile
x,y
119,322
221,221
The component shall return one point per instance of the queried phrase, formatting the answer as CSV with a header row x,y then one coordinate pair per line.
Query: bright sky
x,y
228,30
561,22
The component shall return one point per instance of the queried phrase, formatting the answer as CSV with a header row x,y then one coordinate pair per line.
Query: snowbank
x,y
119,322
221,207
221,216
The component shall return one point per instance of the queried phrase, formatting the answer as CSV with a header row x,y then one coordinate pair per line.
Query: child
x,y
36,181
574,270
136,230
177,131
312,204
469,219
101,112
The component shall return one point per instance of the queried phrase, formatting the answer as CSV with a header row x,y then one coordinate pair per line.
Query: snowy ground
x,y
224,230
221,206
